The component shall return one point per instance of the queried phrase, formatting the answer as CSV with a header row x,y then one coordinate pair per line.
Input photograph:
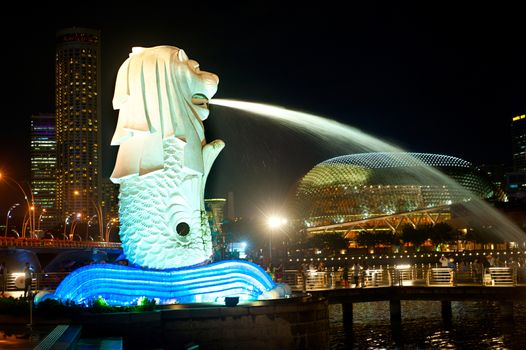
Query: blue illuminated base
x,y
123,285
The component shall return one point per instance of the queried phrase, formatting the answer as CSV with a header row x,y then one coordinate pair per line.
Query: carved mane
x,y
153,93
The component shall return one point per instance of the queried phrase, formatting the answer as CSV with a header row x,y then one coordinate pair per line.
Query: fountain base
x,y
298,322
119,285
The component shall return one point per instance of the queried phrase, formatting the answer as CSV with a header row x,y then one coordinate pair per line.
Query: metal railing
x,y
54,243
500,276
440,276
416,275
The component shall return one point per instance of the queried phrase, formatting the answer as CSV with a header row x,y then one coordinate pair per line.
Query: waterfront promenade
x,y
386,273
505,285
392,284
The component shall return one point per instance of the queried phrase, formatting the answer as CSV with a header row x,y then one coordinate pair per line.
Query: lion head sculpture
x,y
160,93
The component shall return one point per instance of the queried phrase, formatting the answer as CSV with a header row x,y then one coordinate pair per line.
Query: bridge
x,y
46,250
51,244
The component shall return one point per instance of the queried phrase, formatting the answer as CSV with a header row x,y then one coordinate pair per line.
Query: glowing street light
x,y
274,223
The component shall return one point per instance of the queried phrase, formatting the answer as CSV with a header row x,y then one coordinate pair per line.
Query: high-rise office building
x,y
518,139
43,153
516,180
77,103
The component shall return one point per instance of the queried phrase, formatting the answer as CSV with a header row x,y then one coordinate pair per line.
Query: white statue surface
x,y
163,159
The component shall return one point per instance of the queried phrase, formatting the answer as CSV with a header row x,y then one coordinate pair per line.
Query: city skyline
x,y
427,79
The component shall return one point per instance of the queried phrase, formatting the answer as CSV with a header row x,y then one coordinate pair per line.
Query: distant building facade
x,y
78,123
43,153
518,139
516,180
496,173
110,199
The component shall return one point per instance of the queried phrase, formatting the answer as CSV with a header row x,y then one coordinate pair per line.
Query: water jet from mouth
x,y
347,139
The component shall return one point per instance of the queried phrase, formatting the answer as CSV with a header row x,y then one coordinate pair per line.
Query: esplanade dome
x,y
363,186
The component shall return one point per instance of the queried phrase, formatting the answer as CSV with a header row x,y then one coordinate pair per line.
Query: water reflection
x,y
21,337
474,325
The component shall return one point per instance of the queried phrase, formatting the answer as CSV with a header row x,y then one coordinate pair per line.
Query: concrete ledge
x,y
294,323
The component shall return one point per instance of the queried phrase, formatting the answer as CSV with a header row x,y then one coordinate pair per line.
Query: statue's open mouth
x,y
200,100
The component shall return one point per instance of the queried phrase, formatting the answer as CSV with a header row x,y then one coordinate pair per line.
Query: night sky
x,y
444,79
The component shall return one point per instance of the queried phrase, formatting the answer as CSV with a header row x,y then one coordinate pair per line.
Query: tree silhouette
x,y
441,233
328,241
371,240
415,236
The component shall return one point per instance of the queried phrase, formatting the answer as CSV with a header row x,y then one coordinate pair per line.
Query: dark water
x,y
22,337
474,325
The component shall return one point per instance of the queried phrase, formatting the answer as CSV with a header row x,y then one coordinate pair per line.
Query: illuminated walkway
x,y
406,275
505,285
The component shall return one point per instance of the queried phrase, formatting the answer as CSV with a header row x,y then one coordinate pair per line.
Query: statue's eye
x,y
194,65
182,228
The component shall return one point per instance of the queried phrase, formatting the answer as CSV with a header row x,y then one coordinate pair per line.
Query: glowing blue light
x,y
123,285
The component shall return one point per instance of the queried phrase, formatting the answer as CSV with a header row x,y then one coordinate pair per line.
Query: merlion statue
x,y
162,166
163,159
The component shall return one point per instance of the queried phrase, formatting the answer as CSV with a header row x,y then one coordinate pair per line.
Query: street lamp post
x,y
73,225
274,223
25,223
9,216
65,226
90,221
100,217
109,225
98,209
40,218
72,231
30,206
31,222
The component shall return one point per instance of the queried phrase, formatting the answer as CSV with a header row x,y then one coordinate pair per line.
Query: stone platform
x,y
299,322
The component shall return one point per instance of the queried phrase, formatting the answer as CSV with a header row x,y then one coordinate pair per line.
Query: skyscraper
x,y
77,107
516,180
43,169
518,139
